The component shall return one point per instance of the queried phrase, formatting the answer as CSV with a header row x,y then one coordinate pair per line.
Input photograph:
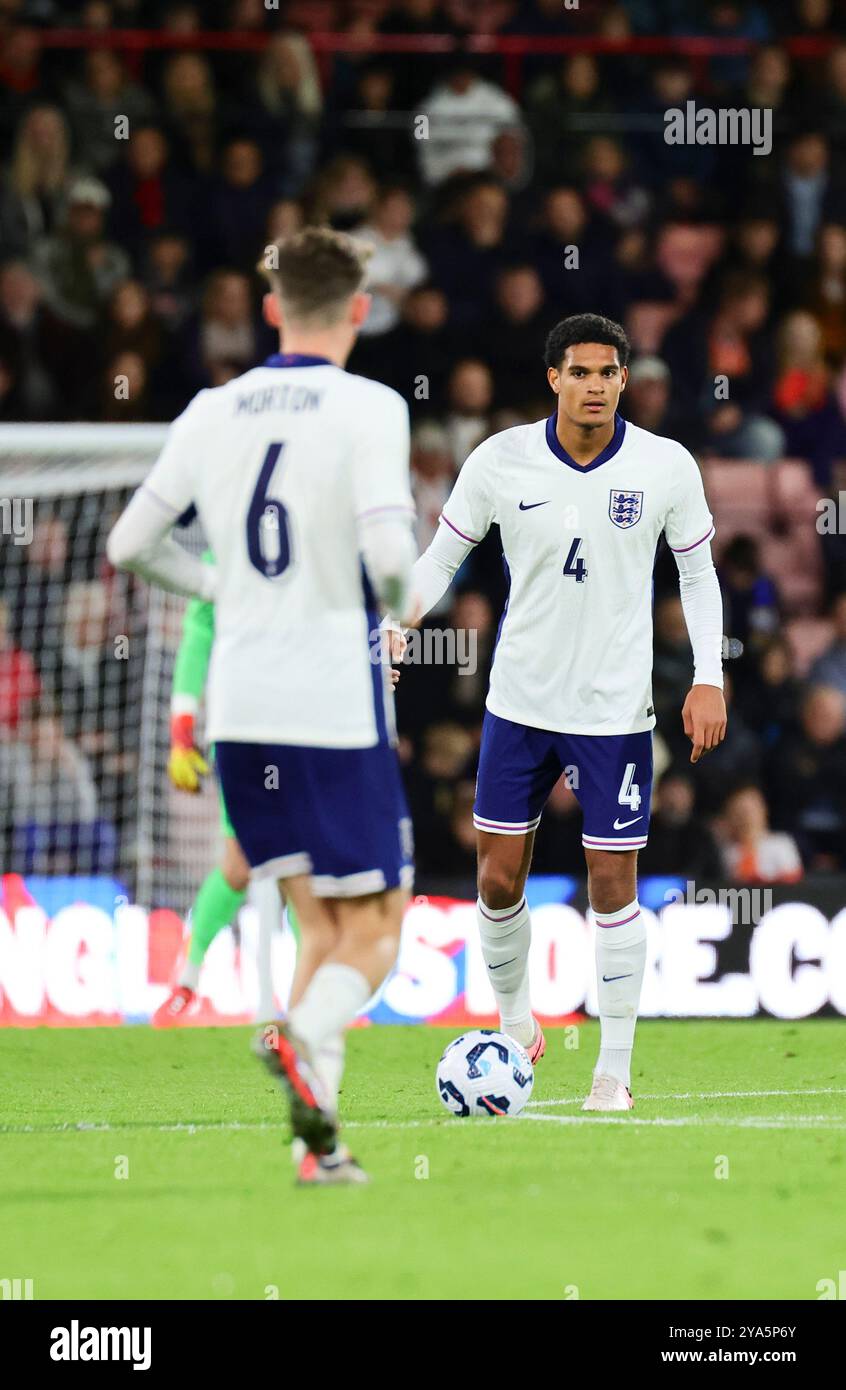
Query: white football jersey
x,y
281,464
574,652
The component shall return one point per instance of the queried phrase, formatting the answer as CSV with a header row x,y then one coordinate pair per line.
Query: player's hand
x,y
186,765
397,643
394,644
704,719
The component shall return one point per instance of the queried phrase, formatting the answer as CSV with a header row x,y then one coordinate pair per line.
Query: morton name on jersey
x,y
574,652
283,464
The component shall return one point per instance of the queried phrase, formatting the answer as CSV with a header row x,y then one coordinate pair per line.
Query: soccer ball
x,y
484,1073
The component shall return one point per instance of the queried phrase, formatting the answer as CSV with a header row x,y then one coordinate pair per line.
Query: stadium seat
x,y
793,562
737,483
808,639
775,504
794,492
739,497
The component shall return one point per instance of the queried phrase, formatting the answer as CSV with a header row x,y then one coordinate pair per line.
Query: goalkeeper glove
x,y
186,764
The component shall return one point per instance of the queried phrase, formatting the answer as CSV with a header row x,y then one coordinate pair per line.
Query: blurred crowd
x,y
72,639
139,188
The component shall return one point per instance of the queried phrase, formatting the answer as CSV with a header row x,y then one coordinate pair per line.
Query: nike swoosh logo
x,y
502,963
621,824
528,506
609,978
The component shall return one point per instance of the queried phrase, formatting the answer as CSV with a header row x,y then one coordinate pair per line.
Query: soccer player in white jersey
x,y
581,500
300,474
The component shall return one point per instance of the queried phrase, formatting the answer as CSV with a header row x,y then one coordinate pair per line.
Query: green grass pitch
x,y
555,1206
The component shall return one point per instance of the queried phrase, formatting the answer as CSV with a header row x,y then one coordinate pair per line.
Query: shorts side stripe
x,y
591,842
350,885
286,866
504,827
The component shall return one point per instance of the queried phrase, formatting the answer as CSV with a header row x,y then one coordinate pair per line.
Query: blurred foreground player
x,y
223,891
581,500
299,472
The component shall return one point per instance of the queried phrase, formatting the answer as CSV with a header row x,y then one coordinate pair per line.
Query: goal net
x,y
86,658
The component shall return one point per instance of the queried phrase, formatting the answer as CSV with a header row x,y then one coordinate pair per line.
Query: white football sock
x,y
329,1065
264,892
620,958
506,934
190,975
331,1002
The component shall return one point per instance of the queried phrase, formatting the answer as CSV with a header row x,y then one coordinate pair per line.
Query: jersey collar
x,y
296,359
607,453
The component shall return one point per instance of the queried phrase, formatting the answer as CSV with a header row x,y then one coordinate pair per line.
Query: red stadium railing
x,y
512,48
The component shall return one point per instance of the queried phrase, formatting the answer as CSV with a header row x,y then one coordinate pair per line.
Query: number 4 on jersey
x,y
574,565
629,789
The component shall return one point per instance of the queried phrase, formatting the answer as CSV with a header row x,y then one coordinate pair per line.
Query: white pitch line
x,y
678,1122
83,1126
447,1125
200,1126
183,1126
809,1122
707,1095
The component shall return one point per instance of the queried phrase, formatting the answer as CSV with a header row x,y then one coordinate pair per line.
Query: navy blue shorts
x,y
338,814
610,774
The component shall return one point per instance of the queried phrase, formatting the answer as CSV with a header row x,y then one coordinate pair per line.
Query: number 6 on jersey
x,y
268,537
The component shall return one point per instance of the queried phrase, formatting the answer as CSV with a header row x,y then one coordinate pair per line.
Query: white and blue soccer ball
x,y
485,1074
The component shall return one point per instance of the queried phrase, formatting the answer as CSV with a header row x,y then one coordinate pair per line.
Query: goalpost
x,y
86,661
85,672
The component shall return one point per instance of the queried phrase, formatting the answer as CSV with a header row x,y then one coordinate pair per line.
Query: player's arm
x,y
140,539
464,522
689,531
384,507
186,764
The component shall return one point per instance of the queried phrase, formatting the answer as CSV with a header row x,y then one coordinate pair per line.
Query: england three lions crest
x,y
625,508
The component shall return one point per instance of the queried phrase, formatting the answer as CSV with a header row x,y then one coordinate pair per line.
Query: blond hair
x,y
37,171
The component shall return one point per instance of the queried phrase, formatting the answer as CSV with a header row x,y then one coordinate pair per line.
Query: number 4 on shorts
x,y
629,794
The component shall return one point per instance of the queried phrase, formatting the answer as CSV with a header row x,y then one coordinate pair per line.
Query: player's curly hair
x,y
585,328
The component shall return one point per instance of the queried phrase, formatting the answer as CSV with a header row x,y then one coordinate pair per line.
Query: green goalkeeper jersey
x,y
192,659
216,906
